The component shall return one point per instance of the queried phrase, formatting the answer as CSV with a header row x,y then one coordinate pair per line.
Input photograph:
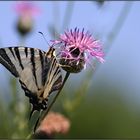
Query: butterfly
x,y
38,72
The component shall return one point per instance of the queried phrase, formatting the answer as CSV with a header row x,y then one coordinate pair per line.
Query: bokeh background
x,y
100,103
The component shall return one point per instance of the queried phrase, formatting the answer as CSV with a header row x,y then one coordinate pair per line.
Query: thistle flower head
x,y
26,11
77,49
26,8
54,123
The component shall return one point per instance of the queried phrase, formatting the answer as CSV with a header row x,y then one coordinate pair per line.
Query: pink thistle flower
x,y
26,8
26,11
79,47
54,123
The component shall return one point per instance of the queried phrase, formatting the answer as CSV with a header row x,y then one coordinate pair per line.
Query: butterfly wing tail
x,y
36,124
32,112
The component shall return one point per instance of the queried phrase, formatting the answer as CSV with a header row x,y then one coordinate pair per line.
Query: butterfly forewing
x,y
6,58
38,72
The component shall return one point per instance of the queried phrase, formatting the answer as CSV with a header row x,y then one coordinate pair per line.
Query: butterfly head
x,y
51,52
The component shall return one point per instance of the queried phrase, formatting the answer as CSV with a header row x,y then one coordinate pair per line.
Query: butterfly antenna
x,y
44,38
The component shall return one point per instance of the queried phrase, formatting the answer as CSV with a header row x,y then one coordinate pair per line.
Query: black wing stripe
x,y
51,71
5,60
11,50
57,71
53,64
57,84
55,77
18,56
42,68
45,74
26,51
33,64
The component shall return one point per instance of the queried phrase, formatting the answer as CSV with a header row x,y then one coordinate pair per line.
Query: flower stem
x,y
68,14
29,136
116,29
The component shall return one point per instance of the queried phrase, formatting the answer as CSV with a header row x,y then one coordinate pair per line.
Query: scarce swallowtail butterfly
x,y
38,72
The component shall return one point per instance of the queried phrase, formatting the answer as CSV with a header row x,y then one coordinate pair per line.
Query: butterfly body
x,y
37,71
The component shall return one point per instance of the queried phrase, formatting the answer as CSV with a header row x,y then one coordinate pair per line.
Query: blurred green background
x,y
101,103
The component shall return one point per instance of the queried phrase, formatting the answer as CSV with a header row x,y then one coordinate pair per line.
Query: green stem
x,y
68,14
56,12
111,38
22,40
116,29
29,136
118,25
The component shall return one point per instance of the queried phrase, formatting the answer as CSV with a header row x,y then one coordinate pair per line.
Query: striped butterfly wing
x,y
38,72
